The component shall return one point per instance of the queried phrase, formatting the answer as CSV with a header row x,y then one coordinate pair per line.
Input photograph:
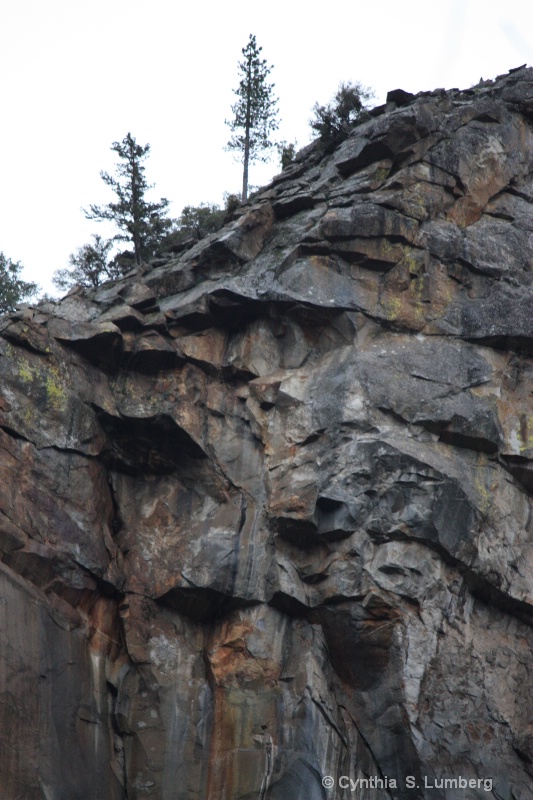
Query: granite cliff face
x,y
265,508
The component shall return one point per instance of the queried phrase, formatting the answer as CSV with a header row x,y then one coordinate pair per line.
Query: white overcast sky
x,y
77,75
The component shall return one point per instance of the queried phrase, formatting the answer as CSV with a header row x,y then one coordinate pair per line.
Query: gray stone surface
x,y
265,507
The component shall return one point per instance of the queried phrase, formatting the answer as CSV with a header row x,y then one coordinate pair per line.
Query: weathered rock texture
x,y
265,509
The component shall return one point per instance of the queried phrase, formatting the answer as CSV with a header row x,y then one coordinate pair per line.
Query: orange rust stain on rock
x,y
102,617
464,212
231,662
220,782
232,670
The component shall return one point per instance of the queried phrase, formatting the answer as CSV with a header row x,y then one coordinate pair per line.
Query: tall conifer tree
x,y
255,112
139,221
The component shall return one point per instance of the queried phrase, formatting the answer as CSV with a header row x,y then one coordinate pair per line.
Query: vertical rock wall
x,y
265,507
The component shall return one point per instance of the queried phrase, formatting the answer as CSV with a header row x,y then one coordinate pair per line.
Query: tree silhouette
x,y
255,112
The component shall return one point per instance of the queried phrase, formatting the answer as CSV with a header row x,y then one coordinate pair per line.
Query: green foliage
x,y
89,266
255,112
13,290
123,262
139,221
287,152
199,221
334,121
232,202
193,224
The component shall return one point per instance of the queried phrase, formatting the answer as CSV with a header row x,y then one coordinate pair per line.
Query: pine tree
x,y
254,112
13,290
139,221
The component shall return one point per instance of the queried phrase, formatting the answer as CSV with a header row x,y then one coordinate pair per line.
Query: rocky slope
x,y
265,509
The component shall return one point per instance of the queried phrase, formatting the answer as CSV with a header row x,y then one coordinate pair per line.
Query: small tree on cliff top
x,y
334,121
139,221
254,112
89,266
13,290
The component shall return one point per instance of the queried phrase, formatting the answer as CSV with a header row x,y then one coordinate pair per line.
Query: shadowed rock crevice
x,y
485,590
202,604
153,445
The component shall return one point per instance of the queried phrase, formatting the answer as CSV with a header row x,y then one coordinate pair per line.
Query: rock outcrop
x,y
266,508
